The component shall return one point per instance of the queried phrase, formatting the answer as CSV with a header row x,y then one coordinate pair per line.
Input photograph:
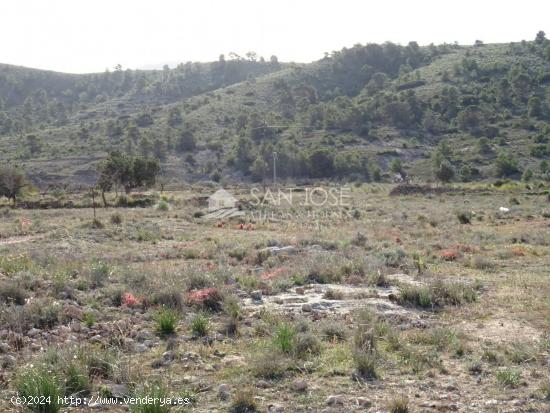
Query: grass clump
x,y
163,206
41,383
333,331
200,325
420,296
400,404
10,293
166,321
306,344
365,349
88,319
269,366
243,402
169,299
545,390
100,272
366,364
284,337
156,392
77,379
332,294
509,378
116,219
438,294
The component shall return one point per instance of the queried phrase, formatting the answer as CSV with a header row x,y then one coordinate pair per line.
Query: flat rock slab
x,y
333,299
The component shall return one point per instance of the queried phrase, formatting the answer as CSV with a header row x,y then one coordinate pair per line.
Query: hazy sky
x,y
92,35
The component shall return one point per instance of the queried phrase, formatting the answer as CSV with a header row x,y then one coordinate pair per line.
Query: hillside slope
x,y
368,112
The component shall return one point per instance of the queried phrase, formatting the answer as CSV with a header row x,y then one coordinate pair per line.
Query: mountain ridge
x,y
377,110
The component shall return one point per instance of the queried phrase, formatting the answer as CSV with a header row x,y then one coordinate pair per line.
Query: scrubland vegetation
x,y
399,304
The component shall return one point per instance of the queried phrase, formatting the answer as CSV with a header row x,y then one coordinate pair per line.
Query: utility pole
x,y
274,168
93,201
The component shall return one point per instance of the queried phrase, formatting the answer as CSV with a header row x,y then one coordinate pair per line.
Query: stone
x,y
141,348
4,348
335,400
300,290
299,385
189,379
118,390
169,355
33,332
224,392
306,308
8,361
234,360
262,384
256,295
143,335
364,402
276,408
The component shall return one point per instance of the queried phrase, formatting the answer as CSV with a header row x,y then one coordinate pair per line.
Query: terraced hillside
x,y
444,112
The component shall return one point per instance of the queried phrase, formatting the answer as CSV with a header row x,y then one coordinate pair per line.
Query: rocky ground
x,y
395,303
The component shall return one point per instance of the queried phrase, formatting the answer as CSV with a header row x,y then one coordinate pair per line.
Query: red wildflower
x,y
207,297
128,300
449,255
518,251
272,274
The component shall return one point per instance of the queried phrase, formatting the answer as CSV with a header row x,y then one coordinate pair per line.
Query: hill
x,y
445,112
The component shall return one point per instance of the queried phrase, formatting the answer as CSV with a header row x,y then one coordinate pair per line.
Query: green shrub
x,y
420,296
438,293
168,299
333,331
464,217
200,325
88,319
100,272
419,361
269,366
163,206
306,344
166,320
237,253
11,293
